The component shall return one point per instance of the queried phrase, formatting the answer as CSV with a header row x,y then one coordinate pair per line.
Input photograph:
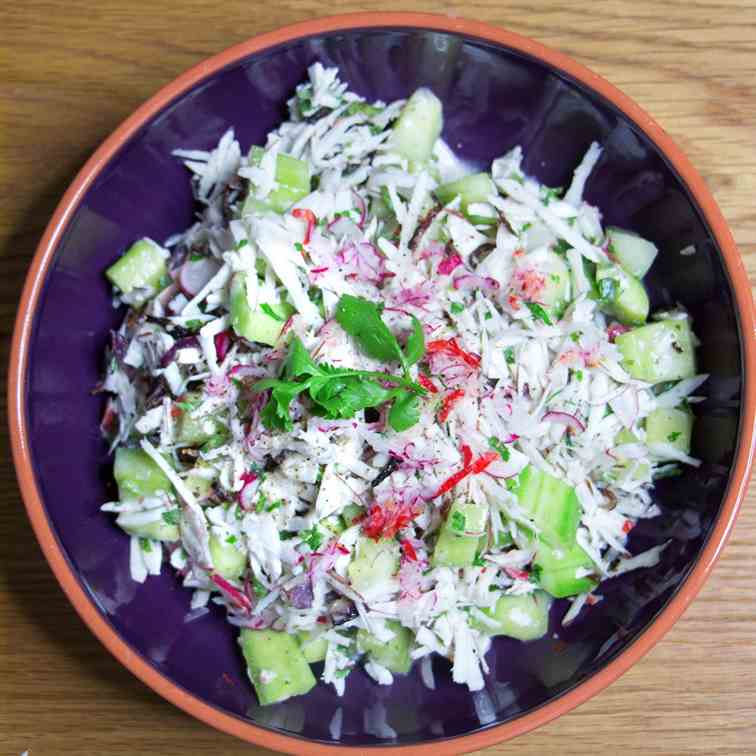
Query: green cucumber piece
x,y
418,126
137,474
670,426
196,430
363,107
552,505
142,266
228,561
459,537
292,178
555,293
200,485
622,295
350,513
556,570
275,665
640,470
314,646
470,189
522,617
375,562
659,352
160,530
256,325
393,654
634,253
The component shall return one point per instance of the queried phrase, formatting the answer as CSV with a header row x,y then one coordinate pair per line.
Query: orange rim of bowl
x,y
69,204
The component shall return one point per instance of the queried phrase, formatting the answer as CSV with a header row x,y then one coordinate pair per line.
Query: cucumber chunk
x,y
659,352
554,293
634,253
196,430
159,530
350,513
228,561
622,295
199,482
557,570
139,271
137,474
637,470
375,563
670,426
522,617
292,179
551,503
275,665
256,325
418,126
393,654
314,646
470,189
459,537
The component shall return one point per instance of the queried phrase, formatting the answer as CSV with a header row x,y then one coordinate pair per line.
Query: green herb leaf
x,y
608,289
456,308
312,537
672,437
260,590
231,540
415,347
458,522
172,517
575,336
509,355
189,406
194,325
499,446
479,561
562,246
361,319
271,313
538,312
146,545
405,411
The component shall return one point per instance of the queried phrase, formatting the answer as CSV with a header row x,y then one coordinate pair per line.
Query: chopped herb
x,y
512,483
509,355
538,312
242,243
195,257
343,672
488,316
672,437
261,503
260,590
525,227
562,246
286,535
312,537
146,544
571,221
189,406
194,325
550,194
579,375
575,336
458,522
231,540
277,504
555,278
172,517
456,308
499,446
299,246
478,561
271,313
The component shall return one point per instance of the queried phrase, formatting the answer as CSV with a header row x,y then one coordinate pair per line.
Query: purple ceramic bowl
x,y
499,90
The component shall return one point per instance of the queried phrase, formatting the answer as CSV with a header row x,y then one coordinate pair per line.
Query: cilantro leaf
x,y
509,355
405,411
415,347
361,319
499,446
312,537
172,517
271,313
538,312
456,308
458,522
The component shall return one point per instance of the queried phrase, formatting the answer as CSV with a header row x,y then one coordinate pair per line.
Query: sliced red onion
x,y
470,281
363,261
195,274
448,264
614,330
344,228
361,207
233,594
184,343
565,418
432,249
222,343
301,596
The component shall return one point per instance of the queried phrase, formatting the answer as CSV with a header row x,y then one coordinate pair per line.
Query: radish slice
x,y
470,281
361,207
195,274
344,228
572,422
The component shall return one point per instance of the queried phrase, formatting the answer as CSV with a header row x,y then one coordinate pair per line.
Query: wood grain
x,y
72,71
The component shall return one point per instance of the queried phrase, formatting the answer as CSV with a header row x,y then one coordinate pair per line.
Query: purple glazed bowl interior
x,y
494,99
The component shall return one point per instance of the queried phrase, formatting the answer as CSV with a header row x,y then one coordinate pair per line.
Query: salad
x,y
379,405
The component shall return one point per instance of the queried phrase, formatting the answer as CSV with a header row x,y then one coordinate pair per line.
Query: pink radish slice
x,y
194,274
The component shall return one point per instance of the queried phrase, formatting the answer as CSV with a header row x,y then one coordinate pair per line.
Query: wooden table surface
x,y
71,71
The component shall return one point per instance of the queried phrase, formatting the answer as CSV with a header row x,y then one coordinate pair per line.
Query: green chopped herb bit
x,y
562,246
232,539
146,544
189,406
299,246
260,590
488,315
456,308
512,483
552,193
525,227
312,537
273,505
538,312
479,561
194,257
172,517
571,221
242,243
509,355
499,446
458,522
287,535
343,672
194,325
261,503
672,437
271,313
575,336
579,375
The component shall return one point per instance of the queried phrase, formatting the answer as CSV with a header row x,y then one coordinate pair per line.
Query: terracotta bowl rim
x,y
44,256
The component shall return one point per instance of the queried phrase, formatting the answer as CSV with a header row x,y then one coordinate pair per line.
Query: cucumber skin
x,y
292,177
659,352
393,654
455,549
660,423
556,570
511,610
142,265
137,474
418,126
255,325
270,650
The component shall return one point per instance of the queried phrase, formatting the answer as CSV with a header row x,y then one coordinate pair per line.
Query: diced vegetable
x,y
459,536
418,126
634,253
551,503
670,426
560,570
523,617
275,665
138,475
292,179
196,430
622,295
350,513
375,563
159,530
228,560
470,189
658,352
555,292
393,654
314,646
264,324
140,271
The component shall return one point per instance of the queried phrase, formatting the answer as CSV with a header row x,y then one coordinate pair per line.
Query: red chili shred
x,y
448,404
427,383
480,464
467,455
409,550
236,596
386,520
306,215
451,348
627,526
